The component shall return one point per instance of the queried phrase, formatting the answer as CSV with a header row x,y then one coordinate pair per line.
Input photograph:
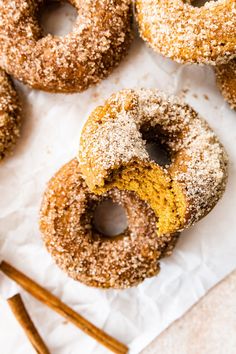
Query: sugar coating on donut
x,y
99,40
226,81
189,34
86,255
9,115
113,154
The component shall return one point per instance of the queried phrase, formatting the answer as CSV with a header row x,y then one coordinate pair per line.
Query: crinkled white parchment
x,y
50,137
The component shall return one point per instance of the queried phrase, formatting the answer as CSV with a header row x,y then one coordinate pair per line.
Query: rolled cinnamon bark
x,y
58,306
18,308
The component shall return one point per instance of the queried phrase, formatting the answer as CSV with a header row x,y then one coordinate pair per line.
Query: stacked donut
x,y
160,201
113,162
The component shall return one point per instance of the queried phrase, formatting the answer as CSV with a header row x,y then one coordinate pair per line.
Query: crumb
x,y
95,96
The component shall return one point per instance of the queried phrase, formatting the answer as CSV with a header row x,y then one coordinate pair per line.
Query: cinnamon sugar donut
x,y
226,80
186,33
85,254
113,154
9,115
99,40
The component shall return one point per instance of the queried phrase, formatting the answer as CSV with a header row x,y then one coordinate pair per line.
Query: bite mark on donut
x,y
113,154
154,185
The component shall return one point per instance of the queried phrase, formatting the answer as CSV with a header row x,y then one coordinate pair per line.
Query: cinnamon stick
x,y
18,308
57,305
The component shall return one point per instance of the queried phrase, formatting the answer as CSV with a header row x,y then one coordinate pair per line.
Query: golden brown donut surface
x,y
84,253
10,110
99,40
226,80
113,154
186,33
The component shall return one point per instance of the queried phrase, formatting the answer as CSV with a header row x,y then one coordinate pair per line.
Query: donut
x,y
226,81
99,40
69,234
113,154
186,33
10,112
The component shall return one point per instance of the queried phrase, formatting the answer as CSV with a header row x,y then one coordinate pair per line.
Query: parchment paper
x,y
50,137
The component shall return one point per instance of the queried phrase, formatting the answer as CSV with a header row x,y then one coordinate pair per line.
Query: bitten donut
x,y
99,40
113,154
85,254
226,80
10,111
186,33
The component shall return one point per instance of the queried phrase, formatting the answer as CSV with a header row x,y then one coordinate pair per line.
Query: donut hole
x,y
57,18
109,219
158,153
155,147
200,3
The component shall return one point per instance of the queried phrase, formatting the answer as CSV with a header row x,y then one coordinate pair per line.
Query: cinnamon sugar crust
x,y
99,40
226,81
113,154
85,254
10,111
186,33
